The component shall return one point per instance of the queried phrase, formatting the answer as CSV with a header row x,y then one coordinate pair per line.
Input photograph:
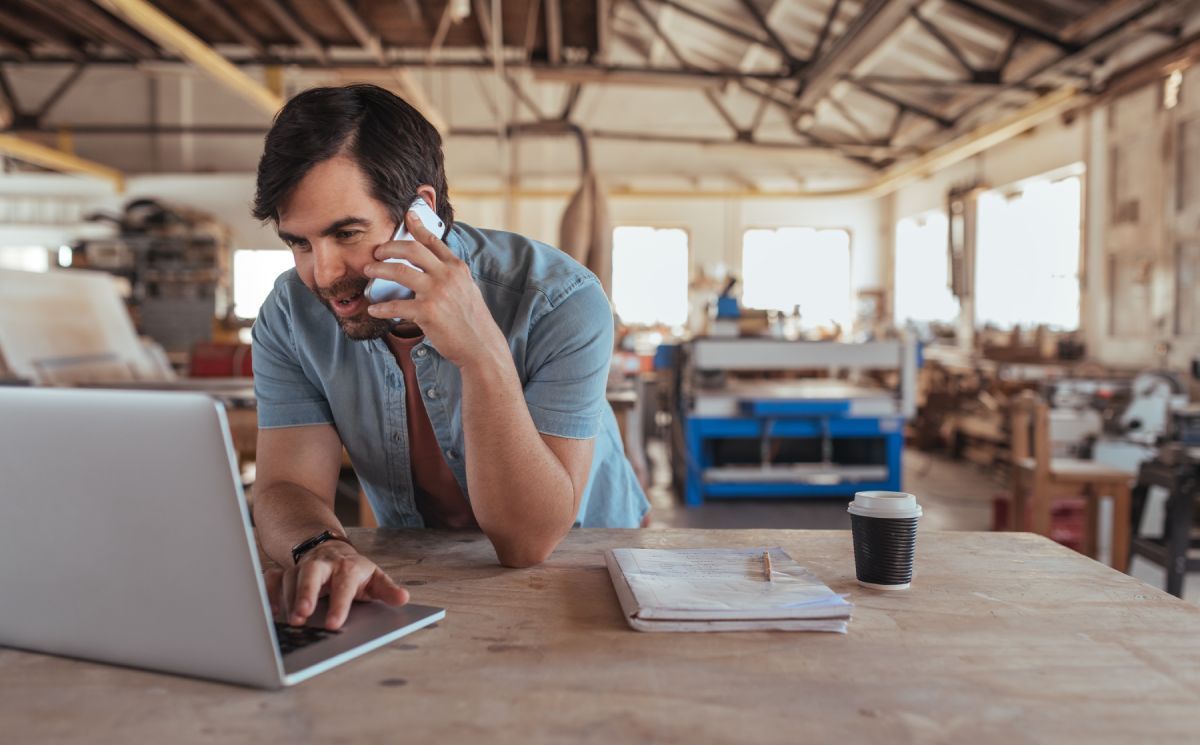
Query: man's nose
x,y
328,265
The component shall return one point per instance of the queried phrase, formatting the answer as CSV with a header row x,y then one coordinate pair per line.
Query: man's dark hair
x,y
396,148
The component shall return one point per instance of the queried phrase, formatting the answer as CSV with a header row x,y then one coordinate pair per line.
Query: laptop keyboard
x,y
292,638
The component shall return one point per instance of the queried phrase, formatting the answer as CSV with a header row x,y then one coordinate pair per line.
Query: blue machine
x,y
797,438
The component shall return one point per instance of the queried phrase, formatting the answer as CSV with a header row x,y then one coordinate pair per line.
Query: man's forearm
x,y
286,514
521,494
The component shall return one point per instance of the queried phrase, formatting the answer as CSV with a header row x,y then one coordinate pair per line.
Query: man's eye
x,y
297,245
345,235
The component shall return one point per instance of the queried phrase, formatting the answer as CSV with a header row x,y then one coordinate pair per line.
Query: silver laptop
x,y
126,539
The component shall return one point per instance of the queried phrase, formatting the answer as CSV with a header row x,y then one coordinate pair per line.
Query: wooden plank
x,y
1004,638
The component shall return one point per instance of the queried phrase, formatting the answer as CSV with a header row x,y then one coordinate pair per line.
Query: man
x,y
484,407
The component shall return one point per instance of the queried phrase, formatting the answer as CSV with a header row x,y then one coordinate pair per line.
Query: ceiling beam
x,y
1111,14
983,138
439,36
723,112
571,99
554,31
294,29
582,73
59,91
533,13
826,28
541,127
864,133
37,154
603,20
97,25
894,129
415,13
164,30
354,24
23,26
636,77
932,116
875,22
1006,56
664,38
1152,70
233,26
857,152
483,18
654,137
759,112
13,47
946,42
524,98
708,20
1006,14
776,42
7,96
936,83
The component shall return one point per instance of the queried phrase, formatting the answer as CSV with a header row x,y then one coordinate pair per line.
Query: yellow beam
x,y
66,141
273,77
56,160
982,138
171,36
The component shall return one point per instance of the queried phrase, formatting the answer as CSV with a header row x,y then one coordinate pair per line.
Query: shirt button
x,y
422,352
431,392
452,454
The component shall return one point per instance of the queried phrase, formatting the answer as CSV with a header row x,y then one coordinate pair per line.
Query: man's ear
x,y
429,194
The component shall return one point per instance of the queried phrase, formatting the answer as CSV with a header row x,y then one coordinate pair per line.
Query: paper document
x,y
722,589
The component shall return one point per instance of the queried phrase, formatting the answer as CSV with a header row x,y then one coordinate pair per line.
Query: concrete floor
x,y
954,495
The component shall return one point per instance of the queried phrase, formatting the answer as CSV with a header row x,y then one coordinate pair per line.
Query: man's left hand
x,y
447,304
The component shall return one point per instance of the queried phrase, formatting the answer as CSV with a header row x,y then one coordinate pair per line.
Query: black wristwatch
x,y
300,549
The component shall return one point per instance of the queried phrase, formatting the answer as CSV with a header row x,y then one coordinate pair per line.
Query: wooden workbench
x,y
1004,638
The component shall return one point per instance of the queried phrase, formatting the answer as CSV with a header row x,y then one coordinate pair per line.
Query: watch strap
x,y
300,549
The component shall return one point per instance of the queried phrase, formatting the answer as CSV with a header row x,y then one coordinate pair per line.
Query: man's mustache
x,y
342,288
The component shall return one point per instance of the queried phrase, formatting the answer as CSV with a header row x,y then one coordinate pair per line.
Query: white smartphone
x,y
382,290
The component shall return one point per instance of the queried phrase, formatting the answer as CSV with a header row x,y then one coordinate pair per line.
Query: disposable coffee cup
x,y
884,525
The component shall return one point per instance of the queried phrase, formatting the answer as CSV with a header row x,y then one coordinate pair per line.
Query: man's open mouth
x,y
349,305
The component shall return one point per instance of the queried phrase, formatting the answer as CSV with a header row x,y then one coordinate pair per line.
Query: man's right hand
x,y
332,569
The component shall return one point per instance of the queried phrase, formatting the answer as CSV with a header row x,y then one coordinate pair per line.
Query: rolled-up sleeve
x,y
286,397
567,362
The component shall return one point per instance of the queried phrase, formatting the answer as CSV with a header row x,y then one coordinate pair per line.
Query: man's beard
x,y
359,328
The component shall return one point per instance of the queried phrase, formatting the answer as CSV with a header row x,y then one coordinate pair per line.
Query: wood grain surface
x,y
1004,638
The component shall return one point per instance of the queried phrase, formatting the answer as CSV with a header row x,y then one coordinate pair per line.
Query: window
x,y
923,269
802,267
254,274
650,275
1027,255
25,258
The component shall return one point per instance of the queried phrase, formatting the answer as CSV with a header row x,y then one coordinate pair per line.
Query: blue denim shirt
x,y
559,327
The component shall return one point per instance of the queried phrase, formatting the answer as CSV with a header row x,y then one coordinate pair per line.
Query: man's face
x,y
333,226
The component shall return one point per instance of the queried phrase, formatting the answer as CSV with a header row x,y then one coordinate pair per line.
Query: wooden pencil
x,y
767,566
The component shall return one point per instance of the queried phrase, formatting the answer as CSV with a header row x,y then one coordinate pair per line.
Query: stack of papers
x,y
722,589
